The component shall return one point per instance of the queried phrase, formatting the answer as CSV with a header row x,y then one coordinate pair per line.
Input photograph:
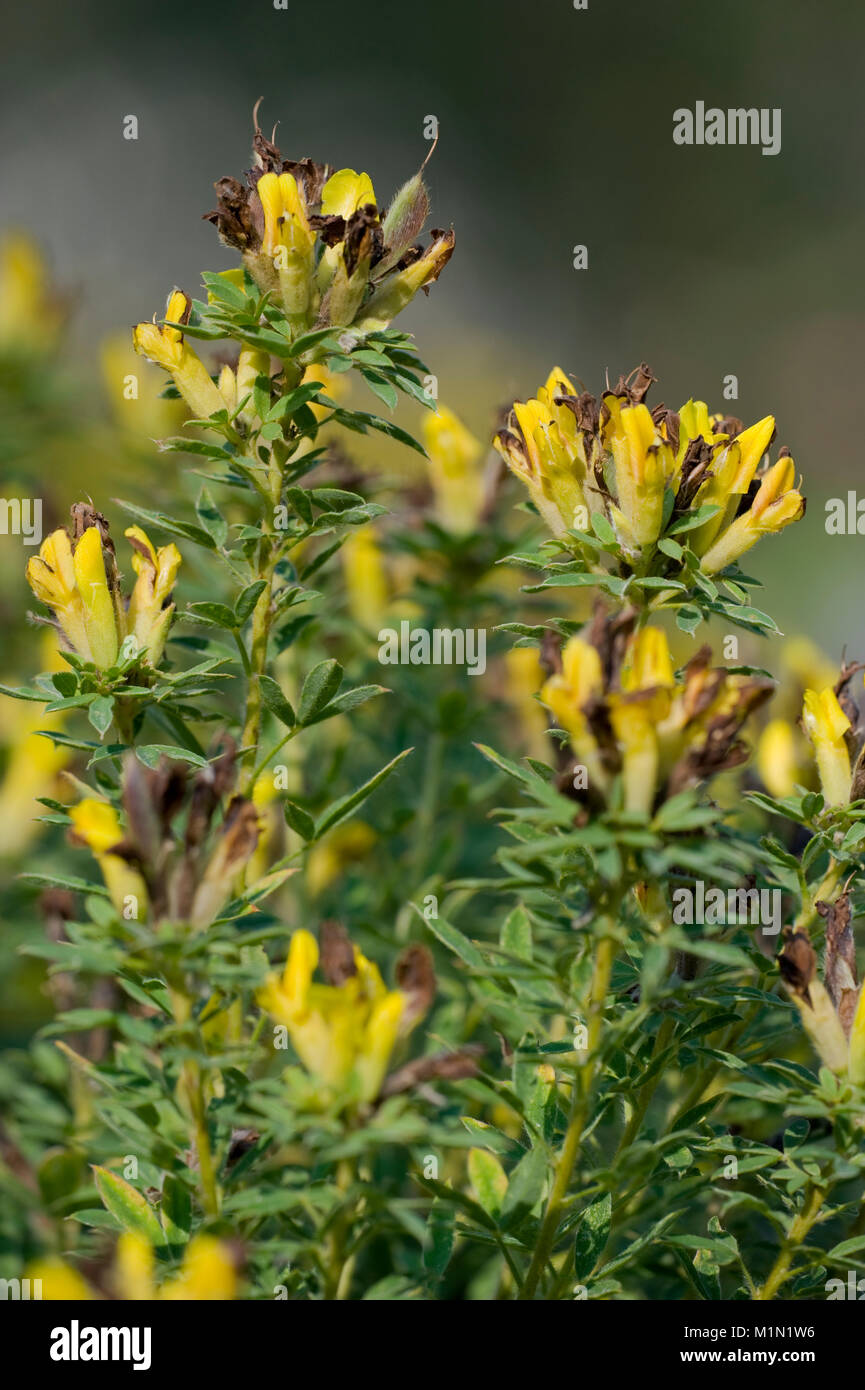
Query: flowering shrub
x,y
350,997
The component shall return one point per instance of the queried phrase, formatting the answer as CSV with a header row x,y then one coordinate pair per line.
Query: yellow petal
x,y
345,192
97,824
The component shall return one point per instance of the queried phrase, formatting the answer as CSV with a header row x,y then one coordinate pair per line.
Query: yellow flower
x,y
777,762
647,679
568,693
288,243
319,244
30,316
643,462
838,1038
343,1033
97,825
775,506
399,290
365,577
455,472
166,346
150,609
544,447
59,1282
75,581
856,1054
134,397
207,1274
638,469
825,723
524,678
661,734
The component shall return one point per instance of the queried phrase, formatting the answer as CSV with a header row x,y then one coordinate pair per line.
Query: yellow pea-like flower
x,y
344,1034
776,505
365,577
288,243
544,448
825,723
51,576
166,346
454,471
150,610
97,824
642,464
777,763
207,1273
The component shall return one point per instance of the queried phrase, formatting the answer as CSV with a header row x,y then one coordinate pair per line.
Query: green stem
x,y
799,1228
646,1092
580,1103
191,1087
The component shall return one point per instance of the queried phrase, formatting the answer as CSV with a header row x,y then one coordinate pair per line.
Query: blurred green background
x,y
556,129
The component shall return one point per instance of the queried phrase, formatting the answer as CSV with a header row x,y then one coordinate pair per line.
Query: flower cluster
x,y
833,1009
645,471
319,244
628,715
346,1030
152,871
76,576
207,1274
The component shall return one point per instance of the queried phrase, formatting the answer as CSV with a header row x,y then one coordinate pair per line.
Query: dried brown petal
x,y
336,953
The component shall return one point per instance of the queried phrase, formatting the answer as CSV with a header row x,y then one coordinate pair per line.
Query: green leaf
x,y
171,524
603,530
692,519
592,1234
453,938
688,618
348,700
275,701
440,1235
247,601
489,1180
525,1188
150,753
210,517
290,403
218,613
128,1207
847,1247
101,713
516,934
176,1210
299,820
343,808
320,686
